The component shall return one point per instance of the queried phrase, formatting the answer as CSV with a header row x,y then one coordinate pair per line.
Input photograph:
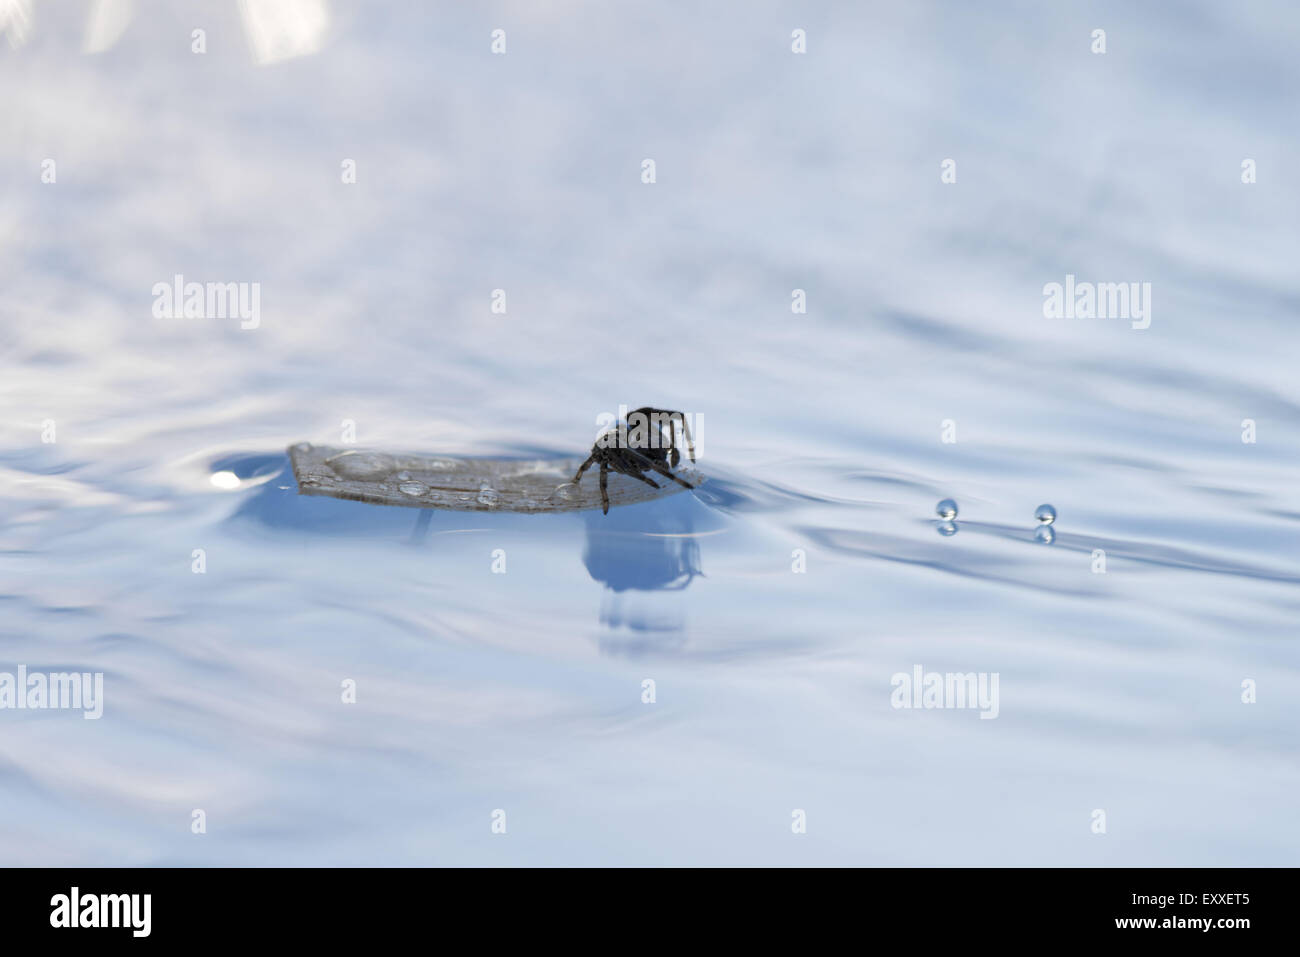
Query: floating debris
x,y
470,484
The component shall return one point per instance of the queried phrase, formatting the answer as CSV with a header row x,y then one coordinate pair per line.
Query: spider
x,y
615,449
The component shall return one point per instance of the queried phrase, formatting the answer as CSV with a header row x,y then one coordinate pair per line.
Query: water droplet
x,y
1045,534
568,492
947,529
363,466
413,488
946,510
464,498
488,495
403,476
1045,514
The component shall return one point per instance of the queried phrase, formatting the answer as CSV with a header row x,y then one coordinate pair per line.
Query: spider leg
x,y
663,470
604,483
672,454
660,468
583,467
690,443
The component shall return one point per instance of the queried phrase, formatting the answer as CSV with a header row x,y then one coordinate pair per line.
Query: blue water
x,y
822,435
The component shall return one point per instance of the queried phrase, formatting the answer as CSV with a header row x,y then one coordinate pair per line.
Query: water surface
x,y
822,434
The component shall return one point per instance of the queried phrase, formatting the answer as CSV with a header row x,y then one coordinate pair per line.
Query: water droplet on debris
x,y
362,466
946,510
487,495
568,492
1045,514
413,488
403,476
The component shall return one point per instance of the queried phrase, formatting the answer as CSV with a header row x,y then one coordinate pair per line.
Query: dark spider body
x,y
639,449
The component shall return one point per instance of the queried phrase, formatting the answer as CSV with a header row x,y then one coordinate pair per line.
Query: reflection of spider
x,y
637,447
